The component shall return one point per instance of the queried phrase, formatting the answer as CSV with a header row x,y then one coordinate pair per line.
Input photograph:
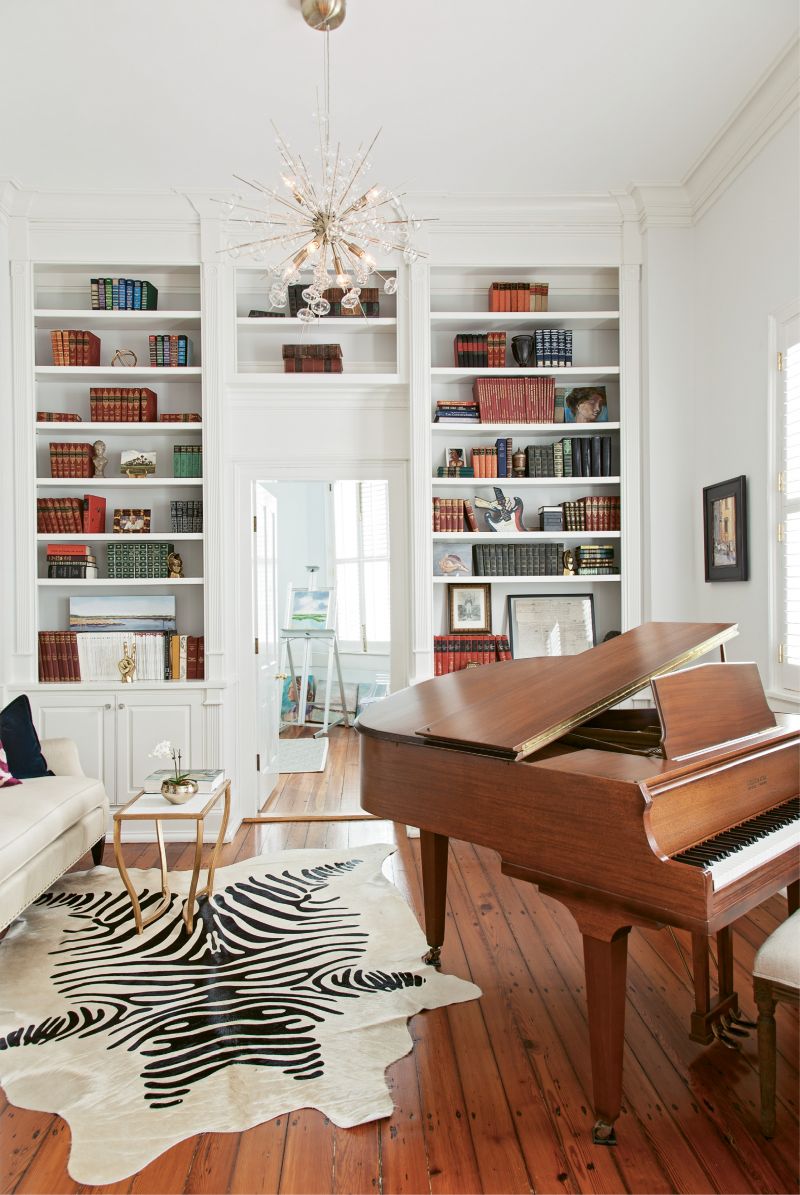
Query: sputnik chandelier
x,y
330,222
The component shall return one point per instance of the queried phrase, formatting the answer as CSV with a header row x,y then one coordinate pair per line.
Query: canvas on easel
x,y
310,609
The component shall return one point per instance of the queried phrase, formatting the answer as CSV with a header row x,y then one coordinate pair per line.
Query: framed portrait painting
x,y
725,530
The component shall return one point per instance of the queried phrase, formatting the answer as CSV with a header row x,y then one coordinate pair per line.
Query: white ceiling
x,y
474,96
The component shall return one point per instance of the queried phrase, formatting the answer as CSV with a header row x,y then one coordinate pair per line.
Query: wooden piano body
x,y
527,758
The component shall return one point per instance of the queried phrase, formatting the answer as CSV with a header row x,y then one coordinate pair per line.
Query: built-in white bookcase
x,y
587,301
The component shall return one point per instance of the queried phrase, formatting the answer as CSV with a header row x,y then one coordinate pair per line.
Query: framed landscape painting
x,y
725,530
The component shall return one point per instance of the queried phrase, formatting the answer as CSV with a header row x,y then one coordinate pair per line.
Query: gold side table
x,y
147,806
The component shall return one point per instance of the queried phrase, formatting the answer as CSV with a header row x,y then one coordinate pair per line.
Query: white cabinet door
x,y
144,719
87,718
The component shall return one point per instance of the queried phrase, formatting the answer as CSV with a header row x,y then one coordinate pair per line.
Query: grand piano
x,y
685,815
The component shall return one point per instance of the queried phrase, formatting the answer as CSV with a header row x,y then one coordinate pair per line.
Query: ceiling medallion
x,y
329,222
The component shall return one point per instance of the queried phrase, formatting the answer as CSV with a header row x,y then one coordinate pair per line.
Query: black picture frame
x,y
725,530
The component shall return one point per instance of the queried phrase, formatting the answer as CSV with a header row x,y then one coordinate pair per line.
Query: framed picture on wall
x,y
310,609
725,530
470,608
558,624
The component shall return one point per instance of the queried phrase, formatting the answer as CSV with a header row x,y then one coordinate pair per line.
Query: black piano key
x,y
736,838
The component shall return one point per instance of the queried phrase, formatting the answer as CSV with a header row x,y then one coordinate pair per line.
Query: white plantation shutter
x,y
789,514
361,551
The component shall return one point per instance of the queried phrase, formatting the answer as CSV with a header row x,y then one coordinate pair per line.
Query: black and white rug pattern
x,y
293,990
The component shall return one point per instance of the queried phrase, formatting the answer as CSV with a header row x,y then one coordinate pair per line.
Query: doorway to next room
x,y
331,586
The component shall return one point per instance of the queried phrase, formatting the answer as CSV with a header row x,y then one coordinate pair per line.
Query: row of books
x,y
480,350
552,348
515,400
453,514
172,351
368,301
71,560
138,560
580,456
73,346
123,404
453,653
595,560
186,515
600,512
123,294
455,471
518,560
518,296
71,460
312,358
94,656
492,460
187,460
65,516
57,417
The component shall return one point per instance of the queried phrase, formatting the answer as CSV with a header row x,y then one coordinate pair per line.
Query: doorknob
x,y
121,705
108,705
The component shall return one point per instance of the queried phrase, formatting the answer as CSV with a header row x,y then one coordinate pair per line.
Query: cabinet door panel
x,y
146,719
89,721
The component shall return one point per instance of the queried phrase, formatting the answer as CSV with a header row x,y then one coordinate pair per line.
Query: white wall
x,y
7,471
710,290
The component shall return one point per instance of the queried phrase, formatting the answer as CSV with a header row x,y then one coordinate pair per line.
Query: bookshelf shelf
x,y
106,483
275,379
117,429
123,376
530,581
456,429
497,537
79,537
348,324
116,582
155,321
491,321
451,373
510,483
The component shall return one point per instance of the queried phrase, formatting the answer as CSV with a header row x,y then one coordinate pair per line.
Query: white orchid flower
x,y
163,750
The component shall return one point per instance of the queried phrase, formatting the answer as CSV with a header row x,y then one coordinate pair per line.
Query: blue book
x,y
129,294
115,293
137,295
500,445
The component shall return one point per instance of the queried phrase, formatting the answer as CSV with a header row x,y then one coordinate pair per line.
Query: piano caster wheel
x,y
720,1035
603,1133
738,1019
433,957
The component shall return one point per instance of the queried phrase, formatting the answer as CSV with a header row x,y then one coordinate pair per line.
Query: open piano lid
x,y
526,704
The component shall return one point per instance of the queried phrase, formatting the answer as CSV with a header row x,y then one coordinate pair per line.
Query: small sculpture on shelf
x,y
519,463
569,564
175,566
124,357
127,665
99,458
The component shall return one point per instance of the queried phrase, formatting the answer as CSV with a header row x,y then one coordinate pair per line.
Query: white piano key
x,y
727,871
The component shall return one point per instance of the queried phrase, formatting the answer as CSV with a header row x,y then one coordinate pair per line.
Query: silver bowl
x,y
177,794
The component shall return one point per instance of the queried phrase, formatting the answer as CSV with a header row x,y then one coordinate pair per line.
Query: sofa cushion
x,y
21,741
38,811
6,779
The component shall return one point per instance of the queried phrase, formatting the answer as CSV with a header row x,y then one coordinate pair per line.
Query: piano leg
x,y
793,894
606,962
433,849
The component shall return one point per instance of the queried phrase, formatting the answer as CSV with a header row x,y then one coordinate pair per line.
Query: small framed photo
x,y
558,624
725,530
129,521
136,462
455,458
310,609
470,608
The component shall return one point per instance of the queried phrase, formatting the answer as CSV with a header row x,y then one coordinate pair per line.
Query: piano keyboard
x,y
741,849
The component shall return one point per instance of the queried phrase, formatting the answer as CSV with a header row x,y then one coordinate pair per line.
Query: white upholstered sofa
x,y
48,823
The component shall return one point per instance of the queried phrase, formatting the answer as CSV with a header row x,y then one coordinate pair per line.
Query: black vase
x,y
522,349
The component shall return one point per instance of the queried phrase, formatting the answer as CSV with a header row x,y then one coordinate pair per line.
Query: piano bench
x,y
776,977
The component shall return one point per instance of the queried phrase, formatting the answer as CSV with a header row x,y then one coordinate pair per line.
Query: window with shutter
x,y
361,553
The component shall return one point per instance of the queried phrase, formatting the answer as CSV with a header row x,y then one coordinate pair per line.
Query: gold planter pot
x,y
176,794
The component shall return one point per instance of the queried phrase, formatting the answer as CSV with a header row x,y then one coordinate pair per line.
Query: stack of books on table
x,y
208,780
312,358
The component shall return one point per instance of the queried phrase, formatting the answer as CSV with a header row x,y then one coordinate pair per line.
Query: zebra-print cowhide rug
x,y
292,991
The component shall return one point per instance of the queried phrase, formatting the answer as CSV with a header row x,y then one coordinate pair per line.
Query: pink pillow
x,y
6,779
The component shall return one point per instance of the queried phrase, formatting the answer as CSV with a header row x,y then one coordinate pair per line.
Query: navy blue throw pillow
x,y
19,737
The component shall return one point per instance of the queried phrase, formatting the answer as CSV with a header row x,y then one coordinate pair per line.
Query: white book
x,y
208,779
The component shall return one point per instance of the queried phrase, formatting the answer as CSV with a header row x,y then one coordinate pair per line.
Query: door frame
x,y
245,477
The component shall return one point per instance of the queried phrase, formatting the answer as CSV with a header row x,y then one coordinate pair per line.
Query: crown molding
x,y
773,100
14,199
660,205
482,212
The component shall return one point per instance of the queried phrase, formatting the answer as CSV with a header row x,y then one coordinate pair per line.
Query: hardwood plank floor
x,y
494,1096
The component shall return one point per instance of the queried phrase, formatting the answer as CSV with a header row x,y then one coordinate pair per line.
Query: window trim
x,y
777,341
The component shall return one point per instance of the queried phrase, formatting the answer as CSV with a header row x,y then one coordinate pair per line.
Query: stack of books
x,y
71,560
71,346
453,653
138,560
181,417
595,560
480,350
187,460
312,358
71,460
57,417
455,471
122,404
517,560
451,514
600,512
170,351
518,296
515,400
186,516
456,410
94,655
123,294
552,348
207,780
368,301
65,516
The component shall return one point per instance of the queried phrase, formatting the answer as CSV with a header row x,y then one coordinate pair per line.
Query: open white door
x,y
265,605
